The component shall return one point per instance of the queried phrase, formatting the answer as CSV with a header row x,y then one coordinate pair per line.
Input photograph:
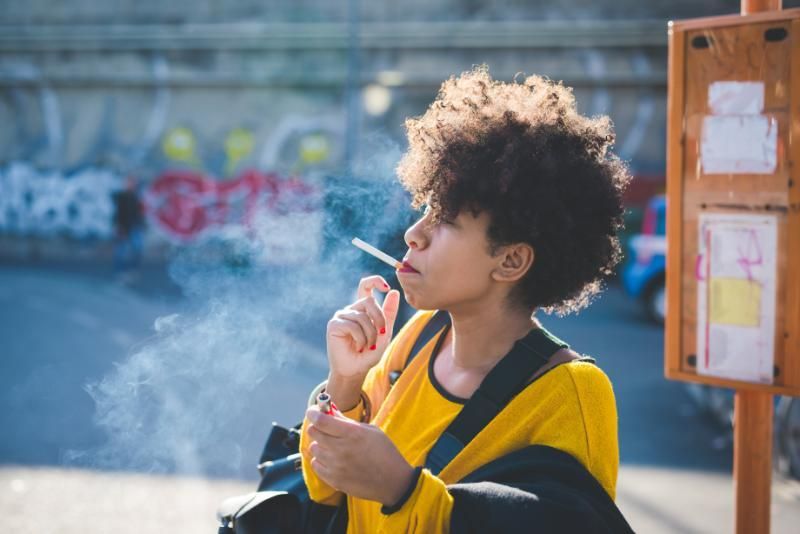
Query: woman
x,y
522,203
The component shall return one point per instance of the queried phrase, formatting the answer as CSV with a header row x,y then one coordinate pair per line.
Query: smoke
x,y
257,299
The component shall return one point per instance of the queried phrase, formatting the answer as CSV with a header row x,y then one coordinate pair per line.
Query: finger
x,y
319,435
375,313
391,306
363,320
322,471
321,453
345,328
327,448
333,425
314,429
367,284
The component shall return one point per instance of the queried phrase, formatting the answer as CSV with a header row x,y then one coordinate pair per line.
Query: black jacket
x,y
537,490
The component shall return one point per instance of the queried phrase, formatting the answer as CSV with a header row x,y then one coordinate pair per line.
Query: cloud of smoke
x,y
180,401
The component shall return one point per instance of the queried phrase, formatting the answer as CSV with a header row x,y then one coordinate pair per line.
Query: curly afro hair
x,y
521,153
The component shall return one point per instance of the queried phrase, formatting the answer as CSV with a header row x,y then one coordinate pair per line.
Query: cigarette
x,y
325,403
369,249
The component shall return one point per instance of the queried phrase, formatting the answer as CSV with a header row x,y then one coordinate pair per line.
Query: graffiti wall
x,y
237,145
201,170
186,206
34,202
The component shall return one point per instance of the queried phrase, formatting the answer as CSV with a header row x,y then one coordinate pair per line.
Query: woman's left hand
x,y
357,458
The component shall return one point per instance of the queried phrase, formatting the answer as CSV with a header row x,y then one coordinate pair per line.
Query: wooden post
x,y
754,6
752,423
752,460
704,52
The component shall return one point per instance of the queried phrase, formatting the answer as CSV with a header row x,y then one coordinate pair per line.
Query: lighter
x,y
325,403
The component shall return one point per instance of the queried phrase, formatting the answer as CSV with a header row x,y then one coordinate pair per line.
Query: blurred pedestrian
x,y
128,226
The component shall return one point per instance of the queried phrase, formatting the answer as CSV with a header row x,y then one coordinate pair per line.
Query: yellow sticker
x,y
735,301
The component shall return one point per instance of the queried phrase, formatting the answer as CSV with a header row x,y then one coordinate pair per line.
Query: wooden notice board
x,y
733,193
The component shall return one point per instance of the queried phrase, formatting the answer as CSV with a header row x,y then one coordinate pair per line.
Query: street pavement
x,y
63,328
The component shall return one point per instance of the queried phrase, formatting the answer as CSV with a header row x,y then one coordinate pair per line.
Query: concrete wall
x,y
216,11
249,94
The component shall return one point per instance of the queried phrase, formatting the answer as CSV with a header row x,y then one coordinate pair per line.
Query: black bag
x,y
281,504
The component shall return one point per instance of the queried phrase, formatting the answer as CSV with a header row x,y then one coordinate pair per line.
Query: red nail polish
x,y
383,330
372,347
386,285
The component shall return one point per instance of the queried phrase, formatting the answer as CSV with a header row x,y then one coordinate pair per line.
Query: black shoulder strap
x,y
434,324
507,379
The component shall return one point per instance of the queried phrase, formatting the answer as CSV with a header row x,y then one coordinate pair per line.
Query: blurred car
x,y
643,274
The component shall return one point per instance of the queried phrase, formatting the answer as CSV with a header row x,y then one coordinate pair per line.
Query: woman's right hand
x,y
358,334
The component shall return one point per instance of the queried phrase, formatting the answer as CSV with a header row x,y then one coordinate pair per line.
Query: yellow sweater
x,y
570,407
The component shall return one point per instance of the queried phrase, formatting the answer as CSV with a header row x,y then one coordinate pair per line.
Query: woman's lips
x,y
407,268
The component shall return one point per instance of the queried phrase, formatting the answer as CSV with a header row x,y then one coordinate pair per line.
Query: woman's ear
x,y
515,261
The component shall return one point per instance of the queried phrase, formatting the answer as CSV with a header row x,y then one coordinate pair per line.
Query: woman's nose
x,y
415,235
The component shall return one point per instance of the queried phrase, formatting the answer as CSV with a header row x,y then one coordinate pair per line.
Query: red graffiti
x,y
184,204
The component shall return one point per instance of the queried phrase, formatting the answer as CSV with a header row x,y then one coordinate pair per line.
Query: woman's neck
x,y
481,337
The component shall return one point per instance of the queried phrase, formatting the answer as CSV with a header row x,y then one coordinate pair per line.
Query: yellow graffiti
x,y
314,148
238,145
179,144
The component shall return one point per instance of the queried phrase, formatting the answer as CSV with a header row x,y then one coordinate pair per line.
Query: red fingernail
x,y
386,285
383,330
372,347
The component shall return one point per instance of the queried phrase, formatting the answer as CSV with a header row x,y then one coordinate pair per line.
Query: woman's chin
x,y
412,298
419,303
418,298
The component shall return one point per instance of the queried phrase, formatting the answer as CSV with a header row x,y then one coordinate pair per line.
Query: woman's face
x,y
452,261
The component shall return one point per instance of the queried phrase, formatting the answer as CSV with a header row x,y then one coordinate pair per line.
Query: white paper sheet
x,y
736,283
737,138
739,144
736,98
